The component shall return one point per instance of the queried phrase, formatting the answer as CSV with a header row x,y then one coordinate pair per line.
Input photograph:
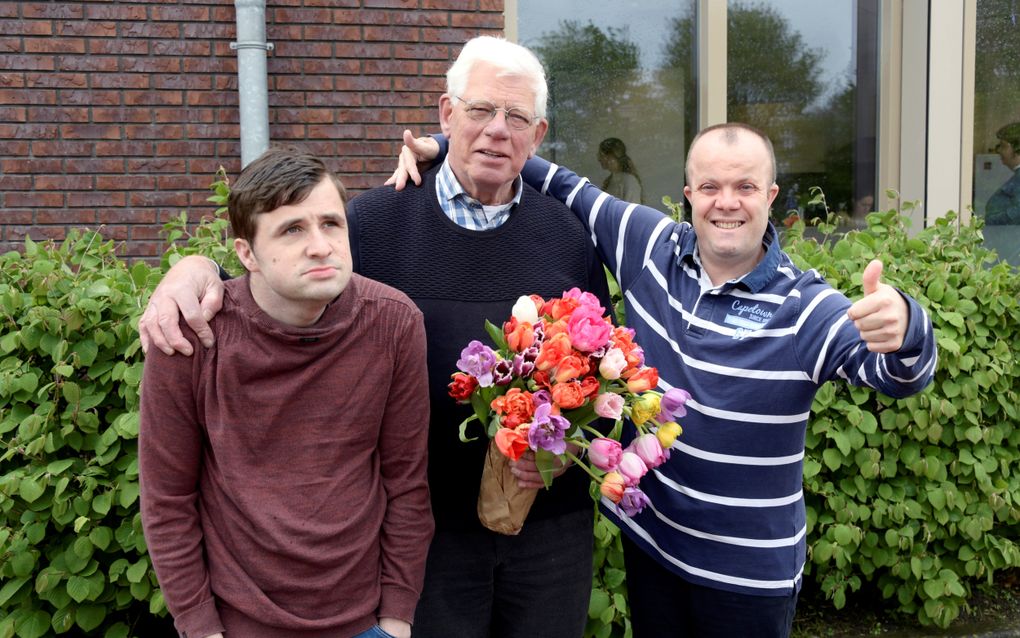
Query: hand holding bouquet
x,y
558,366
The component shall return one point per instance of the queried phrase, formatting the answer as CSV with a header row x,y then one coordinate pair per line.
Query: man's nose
x,y
318,244
498,125
727,199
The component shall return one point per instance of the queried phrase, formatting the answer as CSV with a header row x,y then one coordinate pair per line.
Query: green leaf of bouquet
x,y
496,334
547,462
480,406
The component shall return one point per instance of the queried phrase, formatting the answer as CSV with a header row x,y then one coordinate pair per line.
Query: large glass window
x,y
621,90
805,72
997,125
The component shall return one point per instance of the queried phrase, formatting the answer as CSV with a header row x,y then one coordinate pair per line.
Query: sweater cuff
x,y
200,621
397,602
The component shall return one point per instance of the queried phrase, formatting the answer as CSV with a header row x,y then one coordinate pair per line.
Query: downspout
x,y
253,94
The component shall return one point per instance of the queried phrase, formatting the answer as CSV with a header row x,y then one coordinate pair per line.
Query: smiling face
x,y
730,187
487,156
299,258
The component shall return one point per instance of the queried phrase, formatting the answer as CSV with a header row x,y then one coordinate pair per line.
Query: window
x,y
997,125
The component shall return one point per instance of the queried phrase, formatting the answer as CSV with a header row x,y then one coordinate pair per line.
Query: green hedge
x,y
917,496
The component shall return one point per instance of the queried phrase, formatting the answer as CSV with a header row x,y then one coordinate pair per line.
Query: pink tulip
x,y
648,448
612,364
605,454
588,329
632,468
609,405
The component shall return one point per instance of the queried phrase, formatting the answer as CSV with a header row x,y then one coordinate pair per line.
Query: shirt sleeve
x,y
403,449
169,465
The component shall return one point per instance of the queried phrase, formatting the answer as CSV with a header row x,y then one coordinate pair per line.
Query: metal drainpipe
x,y
253,94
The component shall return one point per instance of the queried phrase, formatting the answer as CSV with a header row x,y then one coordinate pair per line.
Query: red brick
x,y
230,149
287,131
358,183
387,149
28,62
307,116
361,50
392,4
123,215
63,182
31,166
477,20
65,216
159,31
157,198
362,83
37,233
19,216
223,14
33,199
420,18
54,45
227,83
497,6
336,131
61,148
13,114
392,34
449,36
331,32
59,114
15,183
119,81
345,116
208,166
11,45
155,165
384,132
89,166
116,233
89,132
182,81
143,249
161,132
139,231
197,31
390,67
124,148
418,116
56,80
121,114
421,51
19,148
163,98
129,12
181,48
302,83
119,47
180,182
89,98
183,115
87,63
281,32
151,65
96,199
49,10
26,27
209,65
393,99
125,182
180,14
22,96
320,148
212,131
302,16
279,99
321,66
305,49
12,80
228,116
430,84
90,29
345,165
435,68
331,98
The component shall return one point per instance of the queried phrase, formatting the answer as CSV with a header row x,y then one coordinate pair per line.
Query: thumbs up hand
x,y
881,315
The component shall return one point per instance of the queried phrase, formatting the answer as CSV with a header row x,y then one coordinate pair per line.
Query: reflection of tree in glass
x,y
998,42
591,73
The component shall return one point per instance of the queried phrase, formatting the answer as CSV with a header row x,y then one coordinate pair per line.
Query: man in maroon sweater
x,y
283,471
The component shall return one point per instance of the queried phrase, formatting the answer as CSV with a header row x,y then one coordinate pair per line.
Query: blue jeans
x,y
373,632
480,584
663,605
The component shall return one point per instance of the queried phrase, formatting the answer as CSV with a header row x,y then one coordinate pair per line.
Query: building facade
x,y
118,114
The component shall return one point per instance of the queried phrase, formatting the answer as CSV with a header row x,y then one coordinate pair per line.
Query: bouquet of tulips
x,y
559,365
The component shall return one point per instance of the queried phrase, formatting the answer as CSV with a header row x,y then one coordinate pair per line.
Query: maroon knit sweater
x,y
283,470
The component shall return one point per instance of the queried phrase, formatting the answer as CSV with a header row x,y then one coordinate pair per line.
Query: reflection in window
x,y
997,125
805,73
621,90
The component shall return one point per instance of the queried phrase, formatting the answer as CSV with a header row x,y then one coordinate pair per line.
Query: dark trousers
x,y
481,584
663,605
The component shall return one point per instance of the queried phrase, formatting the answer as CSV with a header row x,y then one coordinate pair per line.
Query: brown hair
x,y
1010,134
730,136
281,176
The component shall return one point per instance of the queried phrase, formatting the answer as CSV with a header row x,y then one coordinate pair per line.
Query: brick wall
x,y
117,114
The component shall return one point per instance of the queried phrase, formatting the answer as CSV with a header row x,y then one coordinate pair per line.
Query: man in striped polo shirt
x,y
722,311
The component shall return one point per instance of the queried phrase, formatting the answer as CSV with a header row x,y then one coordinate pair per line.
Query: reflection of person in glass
x,y
623,181
1004,205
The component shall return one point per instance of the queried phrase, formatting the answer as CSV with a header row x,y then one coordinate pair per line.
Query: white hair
x,y
510,58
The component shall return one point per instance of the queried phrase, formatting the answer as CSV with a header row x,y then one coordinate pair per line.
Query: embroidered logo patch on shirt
x,y
747,317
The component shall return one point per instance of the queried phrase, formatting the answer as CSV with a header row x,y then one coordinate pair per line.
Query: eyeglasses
x,y
483,111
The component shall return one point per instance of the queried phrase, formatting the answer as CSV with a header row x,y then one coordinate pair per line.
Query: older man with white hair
x,y
464,248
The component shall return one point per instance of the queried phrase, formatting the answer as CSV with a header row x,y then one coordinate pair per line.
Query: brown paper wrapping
x,y
502,504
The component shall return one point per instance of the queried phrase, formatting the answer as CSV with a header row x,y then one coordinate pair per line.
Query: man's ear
x,y
445,114
773,191
245,253
540,130
687,193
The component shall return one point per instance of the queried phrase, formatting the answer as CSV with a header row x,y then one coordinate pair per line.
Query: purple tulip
x,y
547,431
502,372
672,404
633,501
478,360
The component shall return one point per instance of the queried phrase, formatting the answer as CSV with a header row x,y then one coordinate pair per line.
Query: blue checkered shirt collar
x,y
466,211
